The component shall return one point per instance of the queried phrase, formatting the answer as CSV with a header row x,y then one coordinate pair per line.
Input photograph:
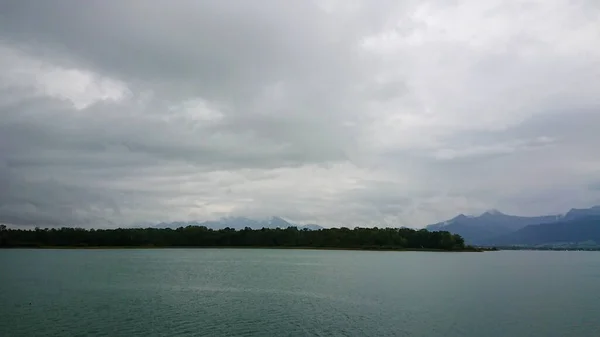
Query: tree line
x,y
200,236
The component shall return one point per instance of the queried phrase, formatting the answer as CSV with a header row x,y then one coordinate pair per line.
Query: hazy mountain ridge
x,y
476,229
239,223
577,213
496,228
574,231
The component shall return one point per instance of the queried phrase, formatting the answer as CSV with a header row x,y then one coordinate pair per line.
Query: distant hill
x,y
493,223
239,223
575,230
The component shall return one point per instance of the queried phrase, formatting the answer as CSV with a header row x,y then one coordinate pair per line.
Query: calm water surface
x,y
228,292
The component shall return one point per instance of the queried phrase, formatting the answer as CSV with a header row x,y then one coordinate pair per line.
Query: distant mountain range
x,y
492,228
238,223
495,228
580,231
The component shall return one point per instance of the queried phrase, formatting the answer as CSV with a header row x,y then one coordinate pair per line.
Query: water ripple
x,y
186,293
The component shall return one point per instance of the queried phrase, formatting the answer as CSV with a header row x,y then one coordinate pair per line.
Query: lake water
x,y
255,292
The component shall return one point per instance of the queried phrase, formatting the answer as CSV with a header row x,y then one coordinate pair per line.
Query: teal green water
x,y
230,292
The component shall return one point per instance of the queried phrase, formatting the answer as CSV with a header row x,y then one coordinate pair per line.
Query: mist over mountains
x,y
495,228
491,228
239,223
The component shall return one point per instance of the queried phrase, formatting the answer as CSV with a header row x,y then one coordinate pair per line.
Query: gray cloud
x,y
337,112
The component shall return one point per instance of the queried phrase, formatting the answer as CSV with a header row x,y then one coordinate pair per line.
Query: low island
x,y
401,239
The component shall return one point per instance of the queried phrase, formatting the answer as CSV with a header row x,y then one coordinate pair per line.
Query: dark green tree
x,y
194,236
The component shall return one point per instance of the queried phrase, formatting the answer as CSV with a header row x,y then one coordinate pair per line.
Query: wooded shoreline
x,y
466,250
373,239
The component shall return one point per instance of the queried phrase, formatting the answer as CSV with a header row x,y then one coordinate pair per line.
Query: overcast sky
x,y
337,112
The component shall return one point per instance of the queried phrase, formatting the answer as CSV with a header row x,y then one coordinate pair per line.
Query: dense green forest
x,y
192,236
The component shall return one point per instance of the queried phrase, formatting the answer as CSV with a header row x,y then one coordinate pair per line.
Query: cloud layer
x,y
335,112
